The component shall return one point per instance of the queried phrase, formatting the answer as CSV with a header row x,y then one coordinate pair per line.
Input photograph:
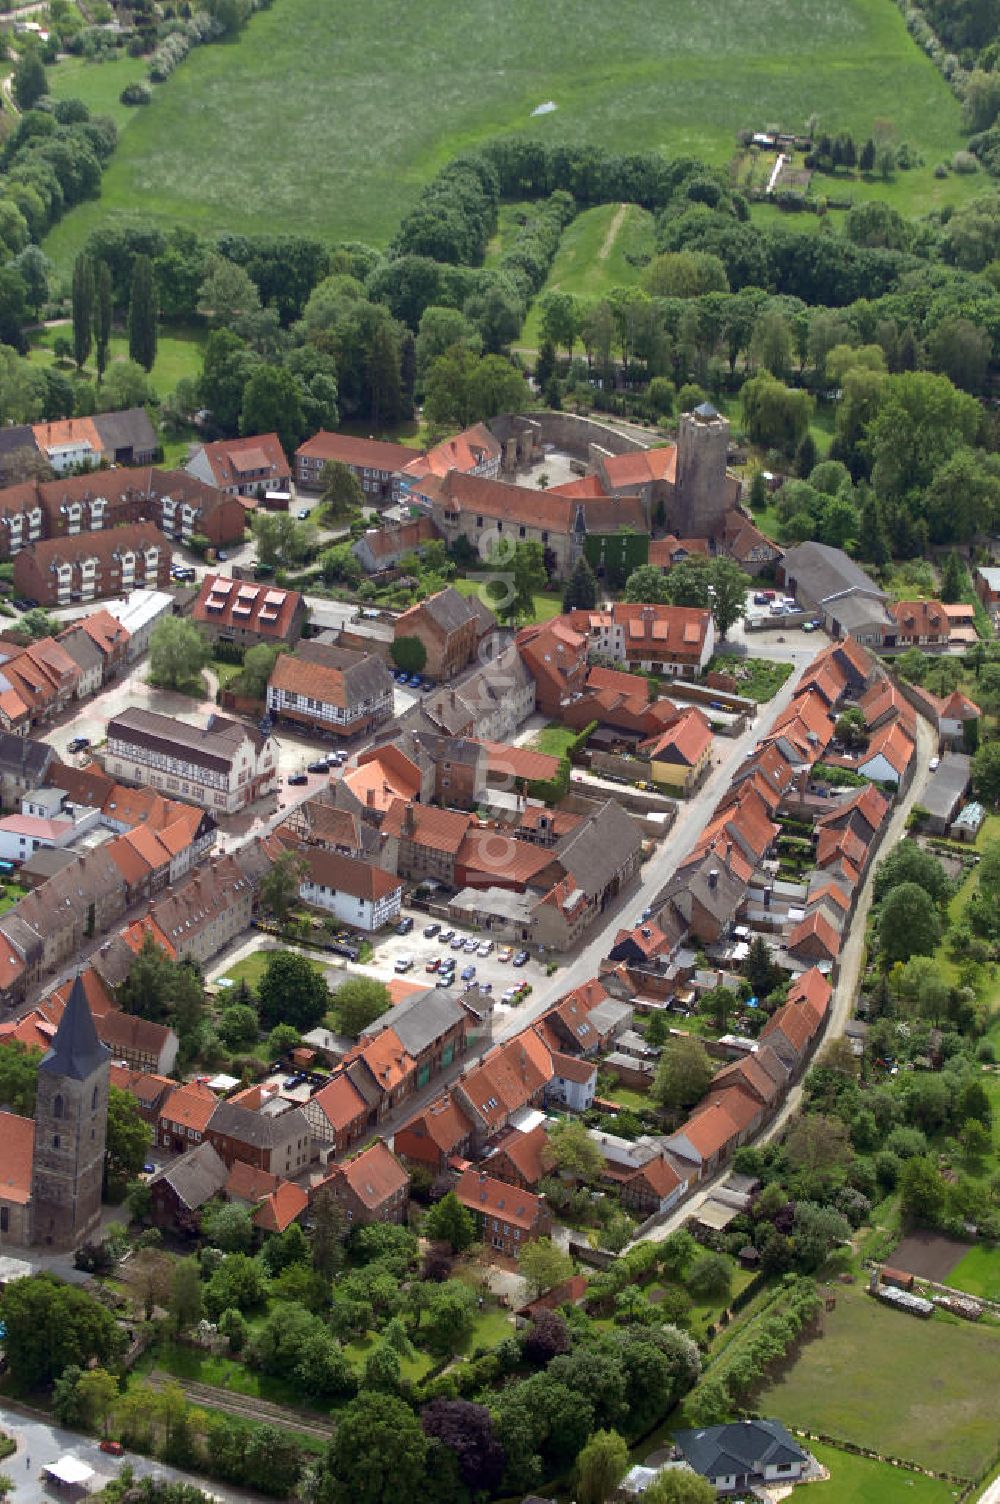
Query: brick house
x,y
519,1158
180,1191
337,1115
279,1142
184,1116
377,465
450,626
59,571
506,1216
372,1187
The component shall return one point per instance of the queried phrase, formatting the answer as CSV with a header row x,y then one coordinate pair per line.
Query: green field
x,y
178,354
98,84
328,121
978,1273
593,257
922,1390
859,1480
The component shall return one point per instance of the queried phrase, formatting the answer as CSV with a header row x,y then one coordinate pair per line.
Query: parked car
x,y
505,954
808,626
467,973
446,937
404,963
345,948
405,925
458,943
760,599
510,994
115,1448
434,964
296,779
430,930
934,764
221,555
319,766
522,958
302,514
483,986
79,744
486,947
471,945
414,681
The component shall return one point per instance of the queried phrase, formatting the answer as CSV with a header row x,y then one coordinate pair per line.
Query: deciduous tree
x,y
177,653
683,1073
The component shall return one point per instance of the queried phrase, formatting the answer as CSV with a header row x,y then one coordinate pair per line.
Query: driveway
x,y
39,1443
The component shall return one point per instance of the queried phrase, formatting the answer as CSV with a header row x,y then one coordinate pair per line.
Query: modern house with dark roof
x,y
742,1455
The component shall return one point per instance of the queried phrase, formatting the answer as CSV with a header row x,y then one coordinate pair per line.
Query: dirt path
x,y
613,229
247,1407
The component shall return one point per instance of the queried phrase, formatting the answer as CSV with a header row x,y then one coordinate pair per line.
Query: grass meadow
x,y
861,1480
329,120
178,354
921,1390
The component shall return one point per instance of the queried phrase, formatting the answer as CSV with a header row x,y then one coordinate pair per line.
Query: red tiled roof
x,y
441,830
190,1106
572,1069
521,762
374,1175
641,467
686,741
526,1152
348,875
281,1208
17,1136
444,1123
234,462
818,926
501,857
264,609
813,988
340,1103
481,1193
368,454
246,1183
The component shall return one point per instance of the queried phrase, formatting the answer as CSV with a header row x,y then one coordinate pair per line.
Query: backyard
x,y
350,139
862,1480
921,1390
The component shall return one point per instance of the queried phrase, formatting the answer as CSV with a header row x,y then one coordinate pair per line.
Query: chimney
x,y
713,878
371,798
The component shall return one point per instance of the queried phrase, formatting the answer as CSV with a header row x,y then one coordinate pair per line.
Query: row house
x,y
224,765
178,504
646,1180
372,1187
55,921
41,679
24,766
240,612
208,910
509,1077
555,654
521,1159
674,640
921,624
355,892
60,571
184,1116
148,1089
337,1116
681,756
330,690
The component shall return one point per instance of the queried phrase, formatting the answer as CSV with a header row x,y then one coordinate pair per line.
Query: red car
x,y
114,1447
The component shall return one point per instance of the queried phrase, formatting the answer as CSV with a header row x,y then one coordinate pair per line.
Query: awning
x,y
69,1470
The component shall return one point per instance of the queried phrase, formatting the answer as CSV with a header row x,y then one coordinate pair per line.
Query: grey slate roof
x,y
76,1051
127,430
450,611
599,849
20,757
82,649
419,1020
15,436
746,1446
365,674
821,571
194,1178
947,785
262,1130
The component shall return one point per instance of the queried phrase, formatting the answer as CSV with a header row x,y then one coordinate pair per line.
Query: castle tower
x,y
700,500
71,1119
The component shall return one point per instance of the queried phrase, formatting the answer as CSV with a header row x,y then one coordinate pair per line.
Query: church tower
x,y
700,498
71,1120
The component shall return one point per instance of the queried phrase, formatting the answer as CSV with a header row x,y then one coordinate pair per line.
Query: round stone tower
x,y
700,499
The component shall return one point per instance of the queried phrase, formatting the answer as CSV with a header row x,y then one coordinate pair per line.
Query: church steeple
x,y
75,1052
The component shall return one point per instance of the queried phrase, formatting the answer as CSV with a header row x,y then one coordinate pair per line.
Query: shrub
x,y
136,94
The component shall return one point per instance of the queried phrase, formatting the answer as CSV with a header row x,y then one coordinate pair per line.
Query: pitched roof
x,y
466,451
247,1183
262,1130
264,609
526,1152
813,988
441,830
892,743
495,1198
216,745
921,618
71,548
234,462
507,1078
521,762
641,467
685,742
374,1175
333,675
67,433
17,1153
443,1122
599,849
190,1106
345,874
340,1103
368,454
476,496
740,1447
815,926
501,857
421,1019
281,1208
195,1177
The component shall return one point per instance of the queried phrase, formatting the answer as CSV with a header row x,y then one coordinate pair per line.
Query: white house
x,y
354,892
573,1083
738,1457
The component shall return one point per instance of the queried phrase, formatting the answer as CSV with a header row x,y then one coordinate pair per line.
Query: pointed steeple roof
x,y
76,1051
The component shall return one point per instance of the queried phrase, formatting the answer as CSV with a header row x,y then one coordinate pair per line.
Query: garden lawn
x,y
99,85
10,894
249,970
336,109
921,1390
978,1273
178,355
554,739
861,1480
412,1369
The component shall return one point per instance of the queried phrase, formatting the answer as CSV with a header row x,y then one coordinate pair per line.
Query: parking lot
x,y
420,950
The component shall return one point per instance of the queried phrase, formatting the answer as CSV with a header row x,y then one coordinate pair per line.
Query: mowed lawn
x,y
978,1272
922,1390
178,354
860,1480
328,119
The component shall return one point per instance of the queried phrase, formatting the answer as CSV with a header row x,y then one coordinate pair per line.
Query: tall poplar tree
x,y
102,317
142,314
83,308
